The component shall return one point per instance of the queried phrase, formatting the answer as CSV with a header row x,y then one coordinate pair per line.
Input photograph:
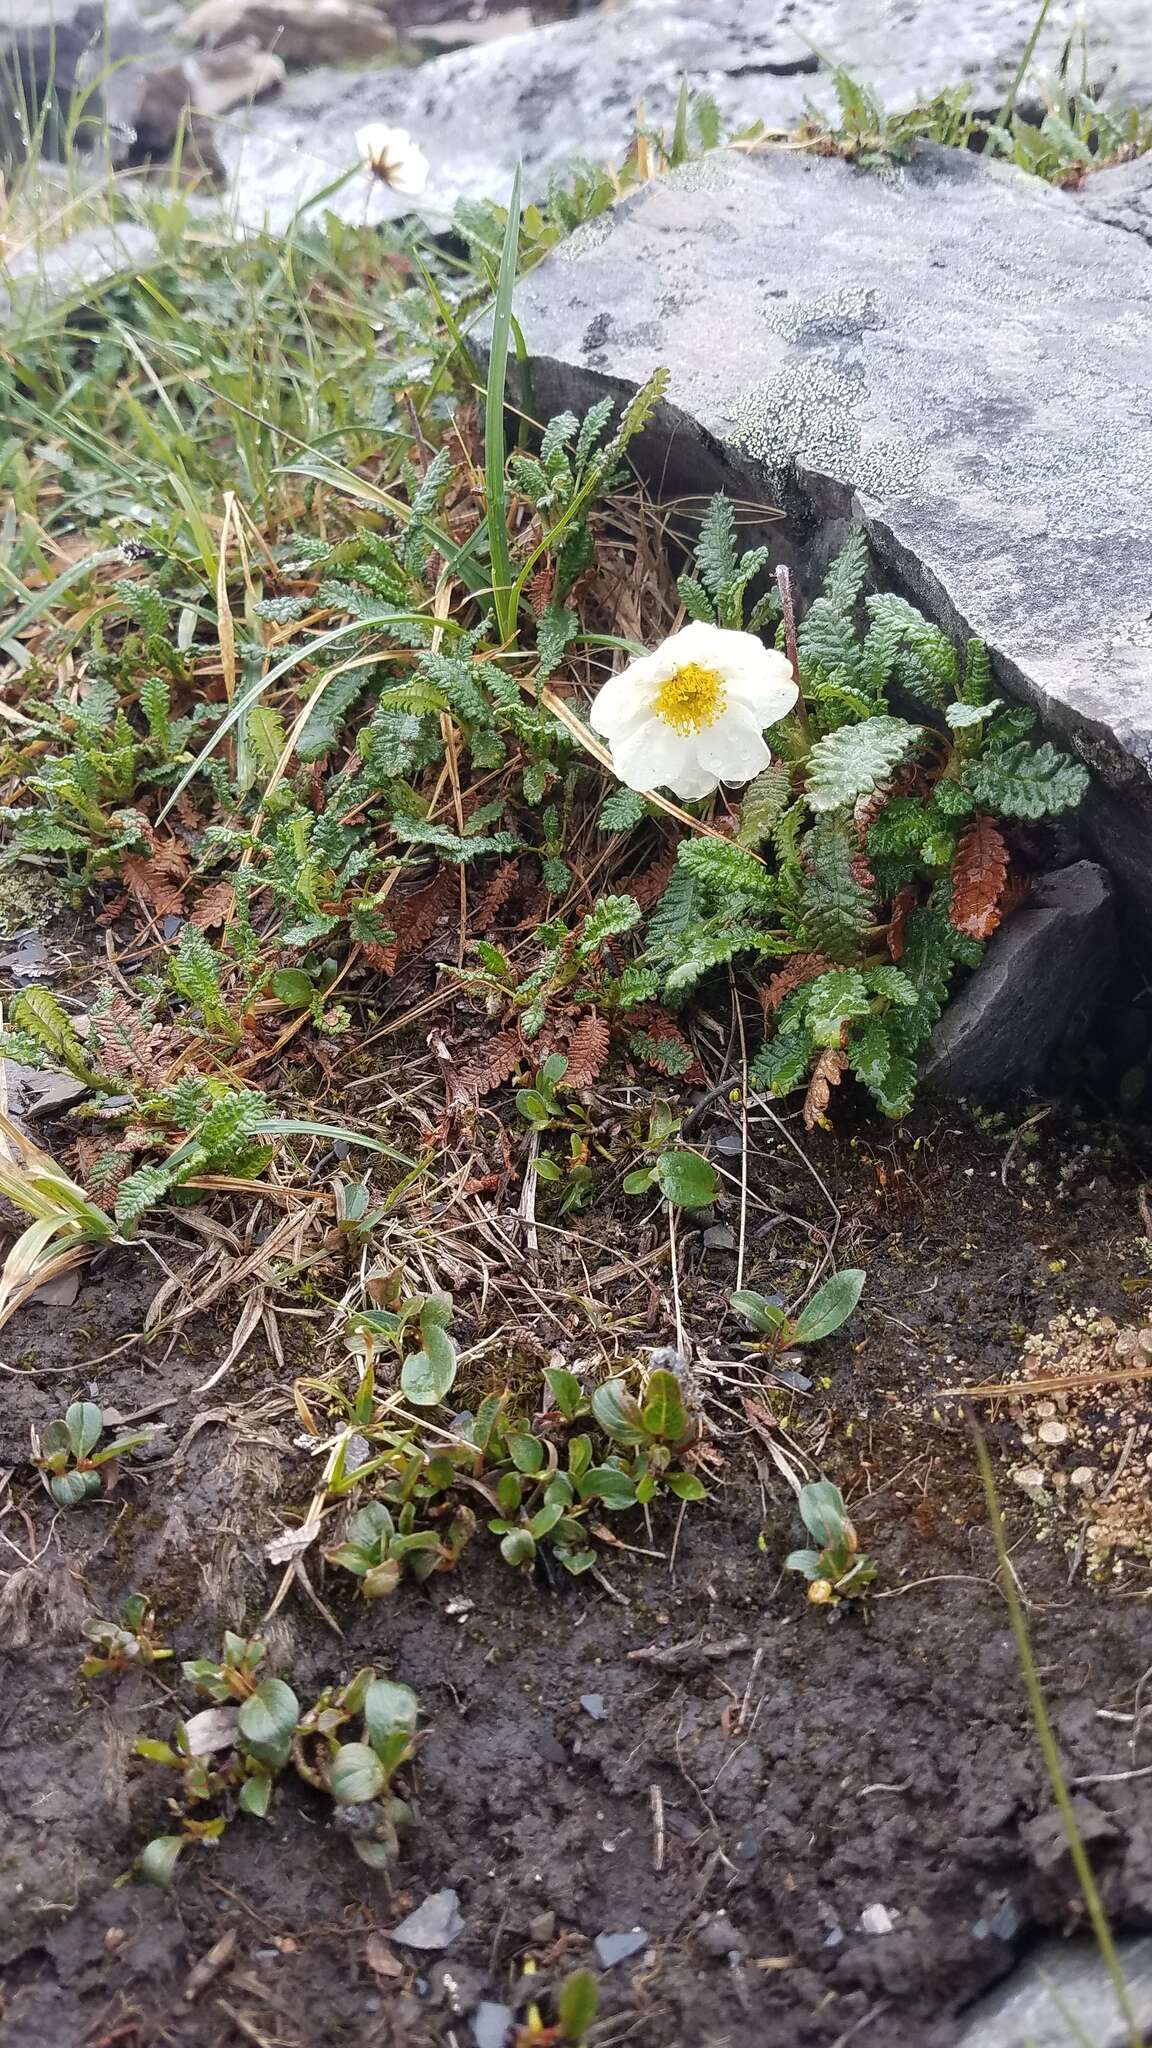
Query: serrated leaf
x,y
887,1070
764,803
855,759
833,1000
1026,781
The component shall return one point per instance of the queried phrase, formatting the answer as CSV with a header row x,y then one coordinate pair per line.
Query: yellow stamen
x,y
692,698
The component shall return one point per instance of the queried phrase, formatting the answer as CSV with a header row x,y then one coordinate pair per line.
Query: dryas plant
x,y
871,860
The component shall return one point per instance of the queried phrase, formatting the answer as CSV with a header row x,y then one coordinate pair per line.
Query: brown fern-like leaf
x,y
214,907
903,904
979,872
586,1051
157,879
495,894
649,885
127,1045
825,1076
382,958
493,1065
800,968
415,918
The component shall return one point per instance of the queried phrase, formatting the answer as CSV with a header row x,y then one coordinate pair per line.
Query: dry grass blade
x,y
67,1226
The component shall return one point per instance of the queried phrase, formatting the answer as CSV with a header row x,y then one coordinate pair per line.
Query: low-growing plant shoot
x,y
822,1315
836,1570
73,1462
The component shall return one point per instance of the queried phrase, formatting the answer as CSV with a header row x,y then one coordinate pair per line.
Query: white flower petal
x,y
621,699
732,749
765,688
654,756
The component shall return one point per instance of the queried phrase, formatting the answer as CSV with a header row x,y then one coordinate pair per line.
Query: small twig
x,y
1111,1777
788,607
675,1282
656,1802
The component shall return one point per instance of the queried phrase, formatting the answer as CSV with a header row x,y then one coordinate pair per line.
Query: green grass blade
x,y
1050,1751
1005,114
495,493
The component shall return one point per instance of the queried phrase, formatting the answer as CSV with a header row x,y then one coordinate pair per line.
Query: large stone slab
x,y
1062,1997
572,89
955,355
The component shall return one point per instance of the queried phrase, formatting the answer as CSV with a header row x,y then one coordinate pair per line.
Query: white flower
x,y
691,714
392,156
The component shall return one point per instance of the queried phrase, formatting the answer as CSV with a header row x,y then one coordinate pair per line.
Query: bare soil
x,y
819,1766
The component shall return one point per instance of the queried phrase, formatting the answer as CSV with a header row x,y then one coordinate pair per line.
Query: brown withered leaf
x,y
979,872
214,906
157,879
825,1076
800,968
903,904
649,885
586,1051
492,1066
414,918
495,894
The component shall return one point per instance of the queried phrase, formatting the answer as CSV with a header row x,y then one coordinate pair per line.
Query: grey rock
x,y
1121,197
299,31
435,1924
1035,990
1062,1997
50,52
32,1094
558,92
593,1705
616,1948
81,264
956,355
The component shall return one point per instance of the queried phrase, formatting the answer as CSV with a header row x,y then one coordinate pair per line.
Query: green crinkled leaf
x,y
1026,781
782,1064
828,645
835,906
832,1001
621,811
886,1069
716,547
846,573
856,759
764,803
727,871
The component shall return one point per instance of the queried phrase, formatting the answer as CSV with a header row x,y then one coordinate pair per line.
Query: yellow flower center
x,y
692,698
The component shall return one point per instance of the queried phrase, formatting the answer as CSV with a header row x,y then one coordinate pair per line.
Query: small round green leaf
x,y
425,1378
686,1486
256,1795
518,1547
389,1710
267,1722
686,1180
292,987
84,1422
357,1775
157,1861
